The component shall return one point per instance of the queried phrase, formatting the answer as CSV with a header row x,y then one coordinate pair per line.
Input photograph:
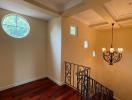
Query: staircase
x,y
78,77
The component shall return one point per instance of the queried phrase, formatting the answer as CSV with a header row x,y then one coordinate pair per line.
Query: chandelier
x,y
112,55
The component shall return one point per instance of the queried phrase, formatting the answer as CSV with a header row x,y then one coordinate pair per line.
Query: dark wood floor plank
x,y
43,89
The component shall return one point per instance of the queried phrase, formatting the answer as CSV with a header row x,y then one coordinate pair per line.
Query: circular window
x,y
15,26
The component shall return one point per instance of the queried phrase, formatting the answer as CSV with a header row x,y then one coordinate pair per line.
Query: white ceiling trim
x,y
90,17
49,4
71,4
121,11
81,20
22,7
59,8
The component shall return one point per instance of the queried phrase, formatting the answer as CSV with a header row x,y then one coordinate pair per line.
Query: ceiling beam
x,y
84,5
102,11
46,8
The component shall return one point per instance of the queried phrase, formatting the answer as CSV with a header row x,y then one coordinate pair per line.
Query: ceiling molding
x,y
106,9
76,9
121,11
105,14
71,4
48,9
124,19
84,5
90,17
49,5
125,22
25,8
123,15
99,24
55,7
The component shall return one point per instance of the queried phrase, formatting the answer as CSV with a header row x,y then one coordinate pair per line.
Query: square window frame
x,y
76,30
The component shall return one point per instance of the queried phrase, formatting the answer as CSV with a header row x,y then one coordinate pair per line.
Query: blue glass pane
x,y
16,26
10,20
22,32
22,23
11,30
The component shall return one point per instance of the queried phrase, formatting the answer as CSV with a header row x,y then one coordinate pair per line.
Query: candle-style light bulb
x,y
120,50
112,50
103,49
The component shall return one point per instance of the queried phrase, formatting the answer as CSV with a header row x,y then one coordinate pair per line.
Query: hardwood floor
x,y
43,89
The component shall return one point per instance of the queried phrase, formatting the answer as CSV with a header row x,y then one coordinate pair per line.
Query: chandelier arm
x,y
106,57
115,60
119,57
115,57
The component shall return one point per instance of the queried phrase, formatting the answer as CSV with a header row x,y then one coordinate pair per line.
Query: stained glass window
x,y
15,26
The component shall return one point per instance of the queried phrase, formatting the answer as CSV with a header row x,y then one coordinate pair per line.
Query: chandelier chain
x,y
112,35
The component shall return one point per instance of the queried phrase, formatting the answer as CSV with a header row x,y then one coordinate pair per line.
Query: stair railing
x,y
75,77
78,77
97,89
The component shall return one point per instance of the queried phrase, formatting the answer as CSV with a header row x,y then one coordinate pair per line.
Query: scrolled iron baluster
x,y
68,73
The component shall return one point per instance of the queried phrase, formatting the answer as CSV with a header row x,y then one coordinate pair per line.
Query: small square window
x,y
85,44
73,30
94,53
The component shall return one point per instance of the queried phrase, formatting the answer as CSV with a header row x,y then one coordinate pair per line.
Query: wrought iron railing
x,y
78,77
98,90
75,76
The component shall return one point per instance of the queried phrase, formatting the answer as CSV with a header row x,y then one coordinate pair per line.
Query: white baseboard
x,y
56,81
21,83
30,80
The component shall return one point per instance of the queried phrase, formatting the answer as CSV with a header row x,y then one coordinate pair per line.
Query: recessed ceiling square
x,y
89,17
119,9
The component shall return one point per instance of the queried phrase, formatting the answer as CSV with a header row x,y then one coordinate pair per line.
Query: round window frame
x,y
12,14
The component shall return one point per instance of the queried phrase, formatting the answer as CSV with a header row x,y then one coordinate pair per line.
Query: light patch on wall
x,y
73,30
85,44
94,53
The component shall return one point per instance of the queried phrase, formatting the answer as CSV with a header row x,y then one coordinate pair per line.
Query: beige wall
x,y
22,60
38,55
116,77
54,50
72,47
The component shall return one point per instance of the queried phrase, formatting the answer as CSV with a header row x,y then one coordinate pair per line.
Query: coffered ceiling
x,y
89,17
101,16
119,9
98,14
